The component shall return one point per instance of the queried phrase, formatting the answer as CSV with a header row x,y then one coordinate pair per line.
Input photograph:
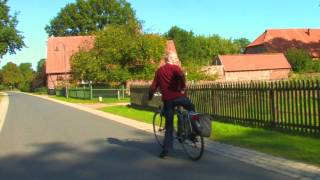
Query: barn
x,y
251,67
280,40
59,52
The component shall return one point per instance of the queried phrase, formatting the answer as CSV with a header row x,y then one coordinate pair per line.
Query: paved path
x,y
45,140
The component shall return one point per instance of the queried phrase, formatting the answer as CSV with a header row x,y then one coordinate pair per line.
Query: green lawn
x,y
304,76
301,148
94,100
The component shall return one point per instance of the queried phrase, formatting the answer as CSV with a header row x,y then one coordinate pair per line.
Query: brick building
x,y
59,52
248,67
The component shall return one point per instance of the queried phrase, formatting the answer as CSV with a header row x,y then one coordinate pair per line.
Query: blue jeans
x,y
169,113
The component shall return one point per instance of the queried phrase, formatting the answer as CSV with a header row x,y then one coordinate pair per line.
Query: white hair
x,y
172,58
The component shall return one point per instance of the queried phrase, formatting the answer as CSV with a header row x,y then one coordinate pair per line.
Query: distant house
x,y
61,49
59,52
280,40
248,67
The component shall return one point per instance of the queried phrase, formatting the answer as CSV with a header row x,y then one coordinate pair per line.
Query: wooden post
x,y
123,91
90,91
272,106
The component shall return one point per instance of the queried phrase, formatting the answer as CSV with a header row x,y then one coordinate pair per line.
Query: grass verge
x,y
300,148
94,100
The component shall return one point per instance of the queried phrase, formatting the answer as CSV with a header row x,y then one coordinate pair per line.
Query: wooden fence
x,y
90,93
289,105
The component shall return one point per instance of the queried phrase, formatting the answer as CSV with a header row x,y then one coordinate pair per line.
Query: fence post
x,y
272,106
122,91
66,92
90,91
118,94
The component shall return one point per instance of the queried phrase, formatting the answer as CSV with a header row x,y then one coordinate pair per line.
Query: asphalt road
x,y
43,140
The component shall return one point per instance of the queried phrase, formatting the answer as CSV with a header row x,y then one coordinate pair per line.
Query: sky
x,y
227,18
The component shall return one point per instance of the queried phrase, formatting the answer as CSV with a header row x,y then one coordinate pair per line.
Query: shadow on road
x,y
111,158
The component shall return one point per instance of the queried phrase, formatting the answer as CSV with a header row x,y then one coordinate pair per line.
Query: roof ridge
x,y
54,37
276,29
260,54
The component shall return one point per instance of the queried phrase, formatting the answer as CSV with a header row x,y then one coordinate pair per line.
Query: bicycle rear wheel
x,y
192,144
159,127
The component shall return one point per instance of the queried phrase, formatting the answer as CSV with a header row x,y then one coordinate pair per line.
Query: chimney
x,y
309,32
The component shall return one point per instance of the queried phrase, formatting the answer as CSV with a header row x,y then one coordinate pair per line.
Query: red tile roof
x,y
279,40
60,50
170,47
253,62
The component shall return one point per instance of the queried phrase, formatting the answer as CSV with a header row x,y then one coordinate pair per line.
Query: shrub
x,y
299,59
316,66
3,87
41,90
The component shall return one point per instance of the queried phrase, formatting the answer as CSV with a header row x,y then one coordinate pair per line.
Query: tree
x,y
27,76
41,66
40,76
86,66
299,59
184,42
242,43
10,38
195,51
1,77
118,55
11,75
200,50
87,16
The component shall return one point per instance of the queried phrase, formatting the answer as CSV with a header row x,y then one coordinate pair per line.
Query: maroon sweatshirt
x,y
171,81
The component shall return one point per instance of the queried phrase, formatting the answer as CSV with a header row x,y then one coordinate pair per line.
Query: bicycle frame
x,y
192,143
184,124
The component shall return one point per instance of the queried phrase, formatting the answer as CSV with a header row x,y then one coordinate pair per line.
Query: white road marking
x,y
4,104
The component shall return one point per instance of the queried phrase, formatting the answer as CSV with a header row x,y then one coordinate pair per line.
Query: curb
x,y
283,166
4,104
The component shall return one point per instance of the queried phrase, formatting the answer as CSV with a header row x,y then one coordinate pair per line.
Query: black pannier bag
x,y
201,123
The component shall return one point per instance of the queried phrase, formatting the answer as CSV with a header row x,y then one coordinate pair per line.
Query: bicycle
x,y
192,143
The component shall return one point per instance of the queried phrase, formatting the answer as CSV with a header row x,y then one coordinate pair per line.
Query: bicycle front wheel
x,y
193,145
159,127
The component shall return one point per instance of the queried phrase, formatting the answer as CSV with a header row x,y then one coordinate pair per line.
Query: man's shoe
x,y
163,154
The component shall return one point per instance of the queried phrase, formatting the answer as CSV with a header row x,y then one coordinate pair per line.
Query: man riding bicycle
x,y
171,81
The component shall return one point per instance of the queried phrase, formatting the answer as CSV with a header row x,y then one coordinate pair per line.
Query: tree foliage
x,y
119,54
10,38
28,75
1,77
39,79
11,75
299,59
86,16
242,43
195,51
199,49
23,77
